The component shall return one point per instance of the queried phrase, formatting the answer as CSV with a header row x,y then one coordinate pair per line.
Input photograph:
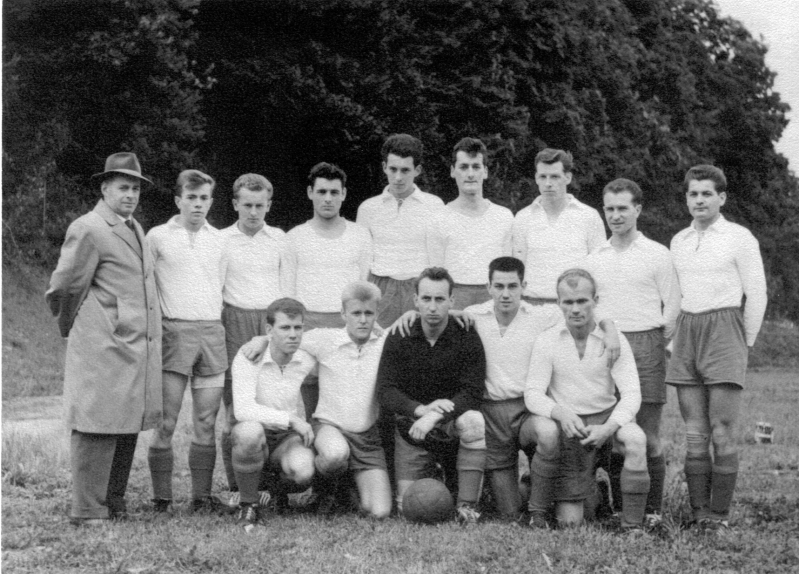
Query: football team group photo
x,y
426,362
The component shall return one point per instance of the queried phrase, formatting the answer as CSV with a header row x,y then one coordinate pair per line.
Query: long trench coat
x,y
104,295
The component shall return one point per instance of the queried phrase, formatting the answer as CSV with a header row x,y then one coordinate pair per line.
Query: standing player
x,y
271,428
471,231
253,252
556,231
637,286
571,383
326,253
189,273
432,381
104,295
717,262
398,221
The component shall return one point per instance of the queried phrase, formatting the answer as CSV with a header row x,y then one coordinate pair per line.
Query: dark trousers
x,y
100,469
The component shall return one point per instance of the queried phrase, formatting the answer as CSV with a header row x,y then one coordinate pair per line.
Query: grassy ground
x,y
36,536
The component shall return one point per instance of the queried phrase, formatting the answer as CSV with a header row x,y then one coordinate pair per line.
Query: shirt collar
x,y
597,332
343,338
487,308
716,226
173,222
416,194
265,230
639,239
571,201
267,358
122,219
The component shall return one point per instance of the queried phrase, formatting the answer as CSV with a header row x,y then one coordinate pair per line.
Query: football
x,y
427,501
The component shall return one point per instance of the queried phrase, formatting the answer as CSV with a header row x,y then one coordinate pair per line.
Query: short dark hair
x,y
403,145
286,305
550,155
253,182
506,265
326,170
621,185
572,277
435,274
472,147
192,179
706,171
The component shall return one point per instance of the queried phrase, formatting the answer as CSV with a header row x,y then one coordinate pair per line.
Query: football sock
x,y
543,473
656,465
202,458
634,490
227,460
161,462
248,474
697,476
722,485
614,474
470,465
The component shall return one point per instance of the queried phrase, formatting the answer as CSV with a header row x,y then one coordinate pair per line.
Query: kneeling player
x,y
432,381
345,419
267,403
571,383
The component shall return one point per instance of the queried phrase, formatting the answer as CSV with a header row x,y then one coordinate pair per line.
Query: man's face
x,y
621,213
400,173
469,172
122,194
252,207
285,334
359,317
577,303
506,289
433,301
552,180
327,196
194,204
704,202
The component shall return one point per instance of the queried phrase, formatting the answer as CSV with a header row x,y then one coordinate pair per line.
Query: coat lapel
x,y
120,229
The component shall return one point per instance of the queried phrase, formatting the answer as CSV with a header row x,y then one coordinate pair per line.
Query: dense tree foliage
x,y
635,88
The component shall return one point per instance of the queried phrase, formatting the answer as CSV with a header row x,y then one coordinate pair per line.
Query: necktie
x,y
399,203
129,223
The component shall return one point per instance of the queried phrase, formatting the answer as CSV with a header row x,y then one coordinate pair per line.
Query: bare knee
x,y
247,438
332,460
547,435
634,441
471,428
298,466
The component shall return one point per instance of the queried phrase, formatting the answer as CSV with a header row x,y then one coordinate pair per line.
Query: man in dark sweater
x,y
432,381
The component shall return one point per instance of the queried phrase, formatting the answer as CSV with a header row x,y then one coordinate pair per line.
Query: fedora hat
x,y
123,162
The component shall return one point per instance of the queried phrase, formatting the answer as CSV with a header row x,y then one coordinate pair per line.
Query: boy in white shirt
x,y
271,428
398,220
638,287
189,272
253,253
556,231
569,381
470,231
717,262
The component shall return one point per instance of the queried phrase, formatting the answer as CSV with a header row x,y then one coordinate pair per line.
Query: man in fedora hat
x,y
104,295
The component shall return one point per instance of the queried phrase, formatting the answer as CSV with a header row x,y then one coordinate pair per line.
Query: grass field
x,y
36,536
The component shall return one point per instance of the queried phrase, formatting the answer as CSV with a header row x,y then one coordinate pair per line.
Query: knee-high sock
x,y
634,489
227,460
202,458
722,485
248,473
656,465
161,462
120,471
614,474
697,476
470,465
543,475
